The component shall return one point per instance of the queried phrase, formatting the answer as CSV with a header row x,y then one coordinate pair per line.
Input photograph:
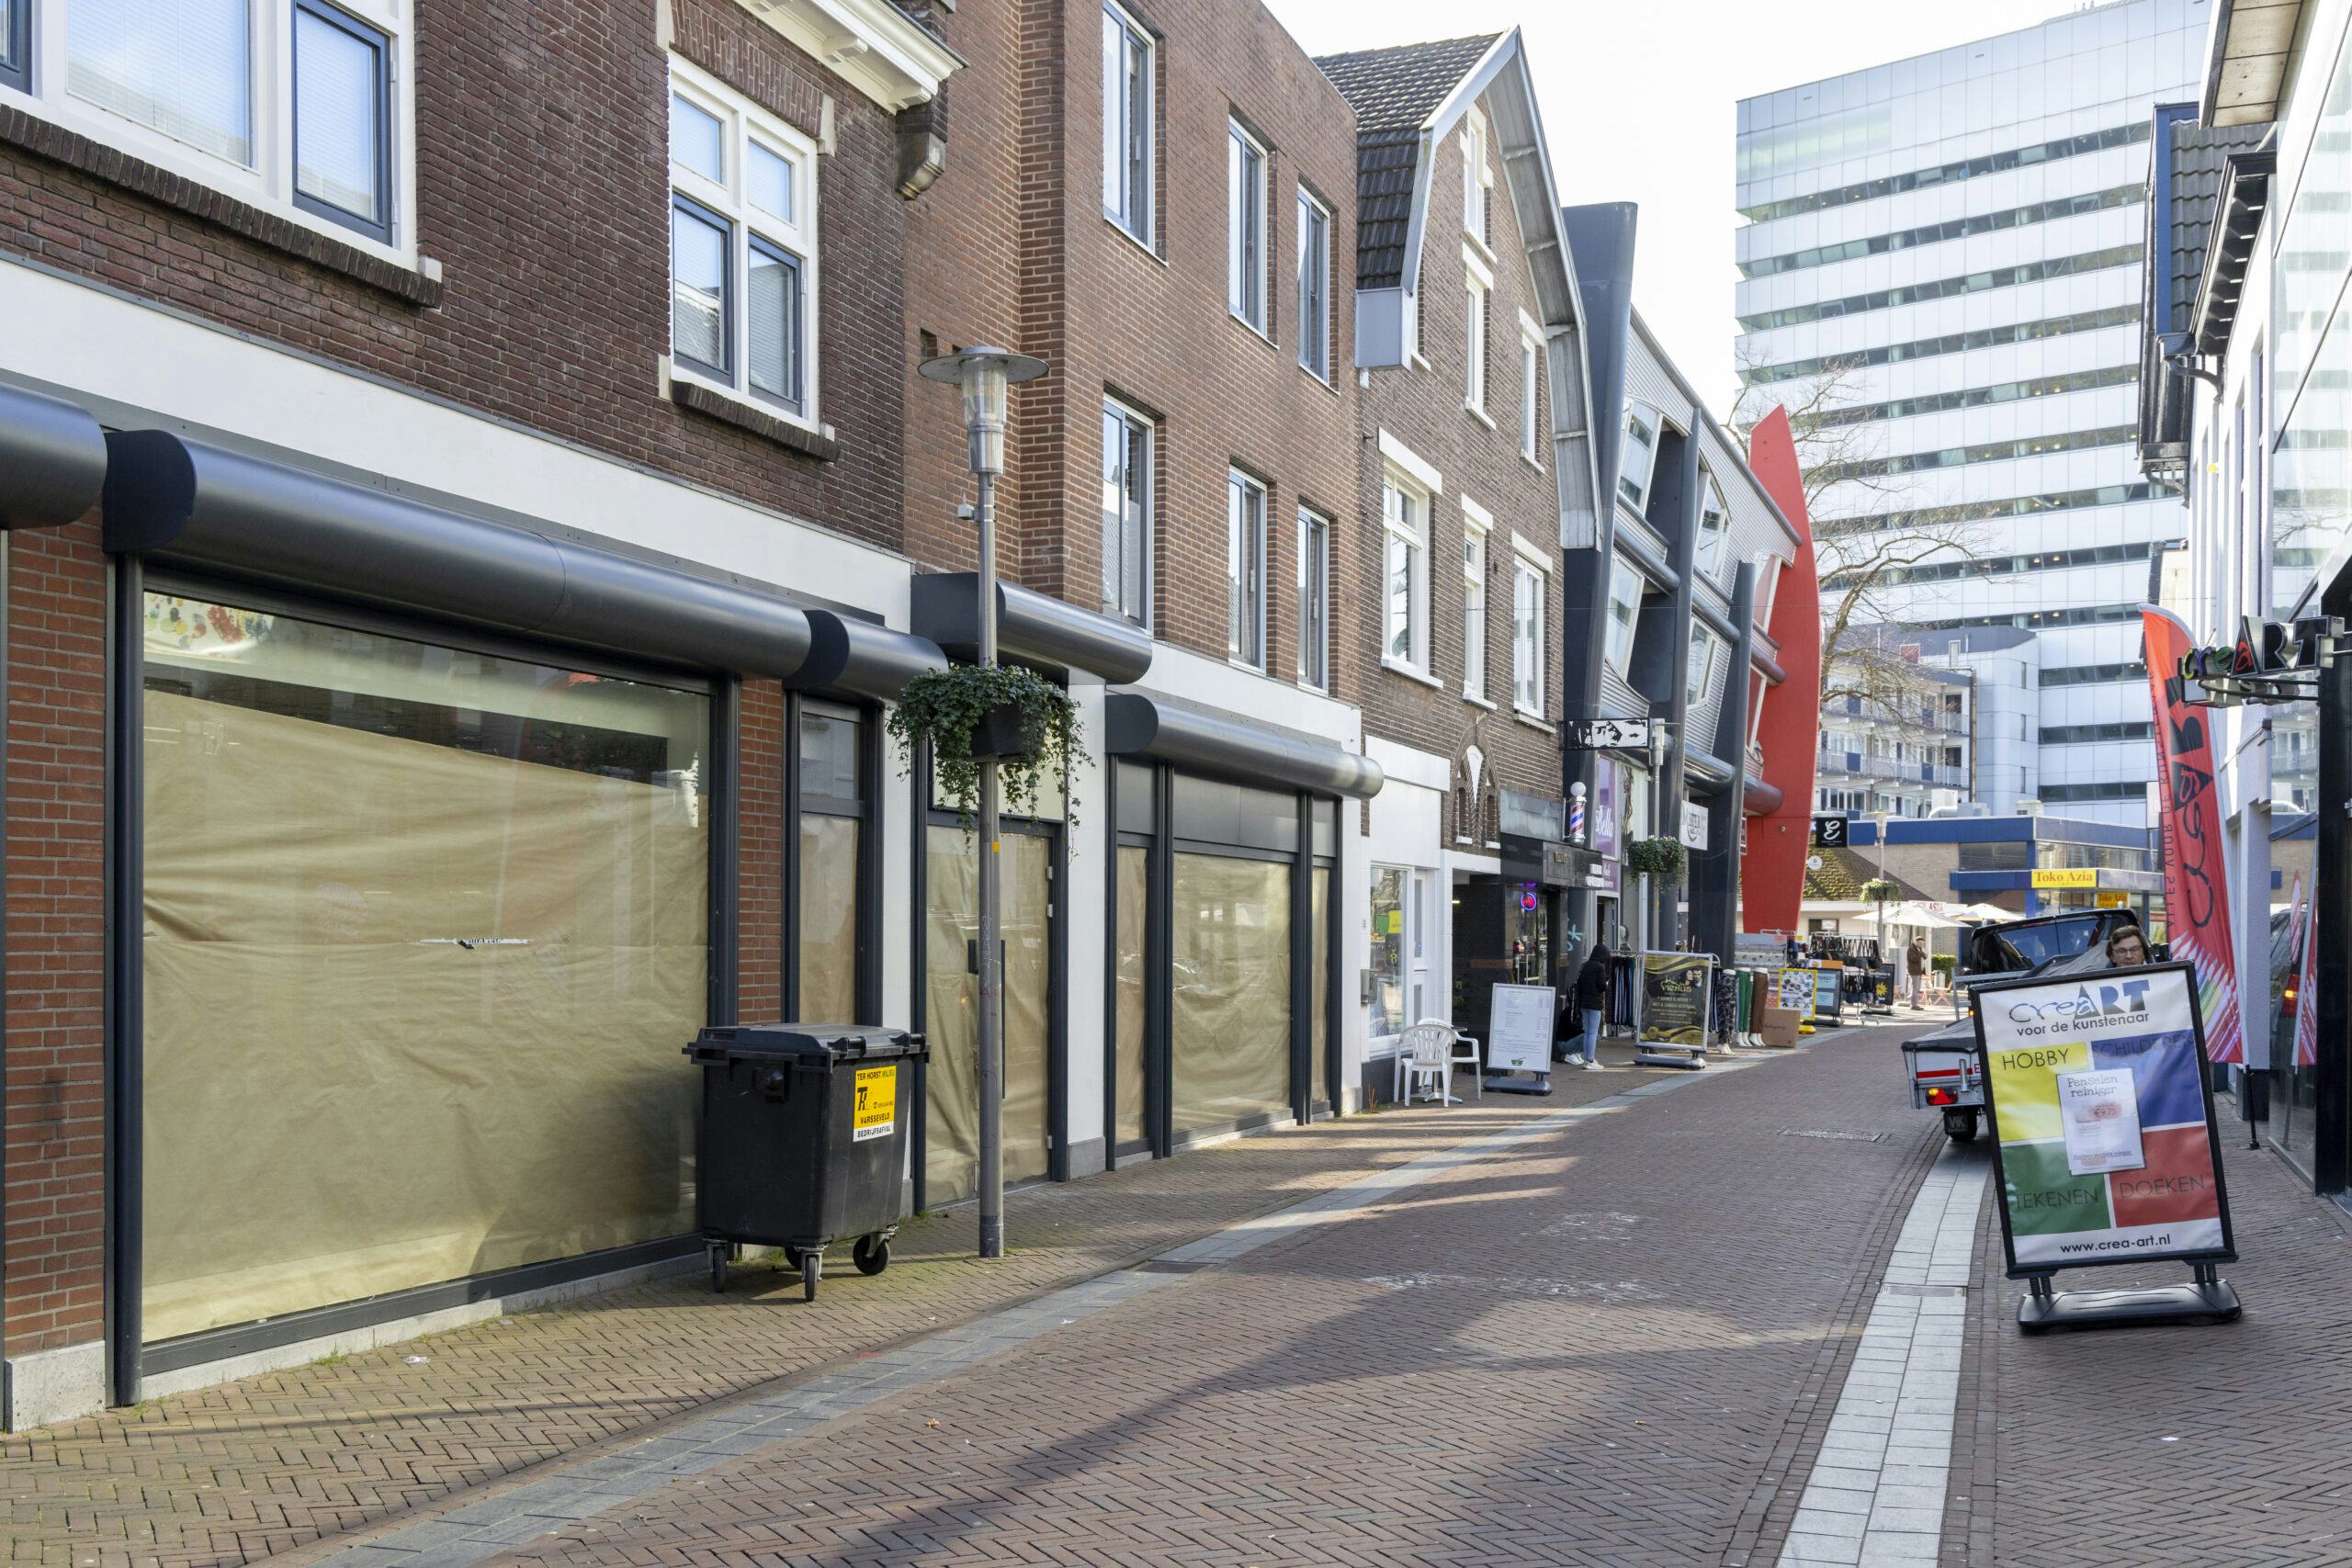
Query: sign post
x,y
1520,1023
2104,1147
1675,990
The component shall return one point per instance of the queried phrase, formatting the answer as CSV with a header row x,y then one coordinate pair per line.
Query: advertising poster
x,y
2102,1112
1608,798
2197,894
1795,992
1519,1029
1675,986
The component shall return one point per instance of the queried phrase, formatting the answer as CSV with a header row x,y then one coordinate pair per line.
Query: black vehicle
x,y
1942,1065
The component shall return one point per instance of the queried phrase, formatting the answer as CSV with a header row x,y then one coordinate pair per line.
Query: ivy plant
x,y
945,707
1661,858
1879,892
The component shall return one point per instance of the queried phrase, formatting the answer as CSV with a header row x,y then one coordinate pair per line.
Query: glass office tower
x,y
1955,241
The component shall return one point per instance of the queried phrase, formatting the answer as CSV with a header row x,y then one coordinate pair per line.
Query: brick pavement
x,y
2228,1444
1594,1348
270,1463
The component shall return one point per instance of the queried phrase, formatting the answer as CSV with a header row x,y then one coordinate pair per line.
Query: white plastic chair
x,y
1426,1052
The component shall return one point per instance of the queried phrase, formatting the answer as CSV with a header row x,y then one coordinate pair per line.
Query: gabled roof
x,y
1394,93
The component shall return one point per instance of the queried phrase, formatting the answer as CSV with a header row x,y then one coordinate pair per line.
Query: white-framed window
x,y
743,248
1625,612
1637,455
1530,394
1476,527
1405,580
1314,302
1474,359
1245,570
1314,599
1403,939
1477,177
1128,99
1714,526
1126,512
1704,645
1245,211
300,107
1529,577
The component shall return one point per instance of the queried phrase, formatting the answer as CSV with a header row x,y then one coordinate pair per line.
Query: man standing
x,y
1915,970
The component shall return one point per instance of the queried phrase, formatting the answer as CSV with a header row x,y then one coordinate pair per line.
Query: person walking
x,y
1590,997
1915,970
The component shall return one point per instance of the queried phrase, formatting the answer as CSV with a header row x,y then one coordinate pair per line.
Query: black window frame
x,y
380,227
867,810
16,47
725,370
756,243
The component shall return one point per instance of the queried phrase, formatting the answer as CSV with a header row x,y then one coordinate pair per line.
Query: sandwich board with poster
x,y
1676,990
2104,1147
1520,1026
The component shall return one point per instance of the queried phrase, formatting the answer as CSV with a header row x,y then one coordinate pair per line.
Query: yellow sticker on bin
x,y
878,1103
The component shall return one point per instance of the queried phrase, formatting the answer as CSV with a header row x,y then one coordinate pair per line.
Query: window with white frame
x,y
1475,527
742,247
1477,177
1530,397
1624,612
1127,92
1245,211
1474,362
1714,526
1314,303
1245,570
1704,645
1314,600
1126,512
1405,522
1527,579
285,104
1637,454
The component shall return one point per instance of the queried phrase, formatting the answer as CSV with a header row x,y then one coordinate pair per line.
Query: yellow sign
x,y
2082,877
2025,1085
878,1103
2115,900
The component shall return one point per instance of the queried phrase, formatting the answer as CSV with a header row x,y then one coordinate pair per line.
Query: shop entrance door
x,y
951,882
1229,999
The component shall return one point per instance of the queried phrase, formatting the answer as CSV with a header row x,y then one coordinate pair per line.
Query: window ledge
x,y
1260,333
1481,415
1395,668
714,404
1536,463
1532,721
1476,701
420,286
1131,237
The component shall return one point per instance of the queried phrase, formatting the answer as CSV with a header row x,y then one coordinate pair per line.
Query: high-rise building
x,y
1944,257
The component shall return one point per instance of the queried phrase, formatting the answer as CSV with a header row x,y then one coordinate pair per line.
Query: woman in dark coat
x,y
1587,999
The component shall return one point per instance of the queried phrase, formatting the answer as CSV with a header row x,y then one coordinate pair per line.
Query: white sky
x,y
1640,101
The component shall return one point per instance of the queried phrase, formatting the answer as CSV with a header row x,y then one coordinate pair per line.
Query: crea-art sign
x,y
2196,883
2103,1135
2271,661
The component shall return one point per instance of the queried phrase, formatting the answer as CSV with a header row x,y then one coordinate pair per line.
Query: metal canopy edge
x,y
1140,724
1032,628
53,460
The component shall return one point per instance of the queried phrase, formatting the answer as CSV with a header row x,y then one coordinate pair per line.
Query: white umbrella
x,y
1919,915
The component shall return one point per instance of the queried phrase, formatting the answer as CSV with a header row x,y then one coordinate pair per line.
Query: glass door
x,y
952,928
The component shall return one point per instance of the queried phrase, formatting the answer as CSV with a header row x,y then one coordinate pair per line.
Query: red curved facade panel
x,y
1771,871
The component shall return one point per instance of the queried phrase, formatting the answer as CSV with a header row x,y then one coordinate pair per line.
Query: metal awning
x,y
1200,740
1031,629
53,460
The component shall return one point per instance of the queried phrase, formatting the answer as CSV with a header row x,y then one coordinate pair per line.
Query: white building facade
x,y
1957,241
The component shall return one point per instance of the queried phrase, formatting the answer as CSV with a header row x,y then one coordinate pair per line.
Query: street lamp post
x,y
986,377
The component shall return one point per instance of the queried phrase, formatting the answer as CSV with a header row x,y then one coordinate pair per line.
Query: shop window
x,y
1129,1128
742,247
832,807
1127,90
422,925
1229,1001
1401,942
951,925
1319,1024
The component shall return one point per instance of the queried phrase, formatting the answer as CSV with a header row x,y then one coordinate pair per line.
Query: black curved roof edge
x,y
1200,739
53,460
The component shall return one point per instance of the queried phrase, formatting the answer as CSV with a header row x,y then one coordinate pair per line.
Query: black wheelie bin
x,y
803,1140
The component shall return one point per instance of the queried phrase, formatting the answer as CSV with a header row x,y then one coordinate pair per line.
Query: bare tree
x,y
1872,547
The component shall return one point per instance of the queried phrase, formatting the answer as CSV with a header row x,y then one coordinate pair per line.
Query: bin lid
x,y
846,1041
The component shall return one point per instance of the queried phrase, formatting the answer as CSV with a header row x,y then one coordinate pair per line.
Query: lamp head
x,y
984,375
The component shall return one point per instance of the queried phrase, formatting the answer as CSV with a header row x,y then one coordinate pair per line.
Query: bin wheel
x,y
717,1252
812,1266
872,1255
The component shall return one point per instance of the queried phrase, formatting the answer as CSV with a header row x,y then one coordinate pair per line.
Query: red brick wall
x,y
542,178
1423,408
53,1168
1024,181
759,914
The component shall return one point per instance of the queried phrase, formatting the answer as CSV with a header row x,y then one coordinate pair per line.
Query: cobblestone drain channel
x,y
484,1530
1875,1498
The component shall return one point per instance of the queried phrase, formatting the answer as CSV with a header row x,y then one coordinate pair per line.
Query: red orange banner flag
x,y
2197,893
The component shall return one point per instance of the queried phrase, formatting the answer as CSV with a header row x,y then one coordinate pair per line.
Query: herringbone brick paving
x,y
2229,1444
270,1463
1586,1350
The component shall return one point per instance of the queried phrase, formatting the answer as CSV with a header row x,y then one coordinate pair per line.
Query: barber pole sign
x,y
2196,902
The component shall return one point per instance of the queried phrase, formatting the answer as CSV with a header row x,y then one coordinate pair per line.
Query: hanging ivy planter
x,y
966,713
1877,892
1660,858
